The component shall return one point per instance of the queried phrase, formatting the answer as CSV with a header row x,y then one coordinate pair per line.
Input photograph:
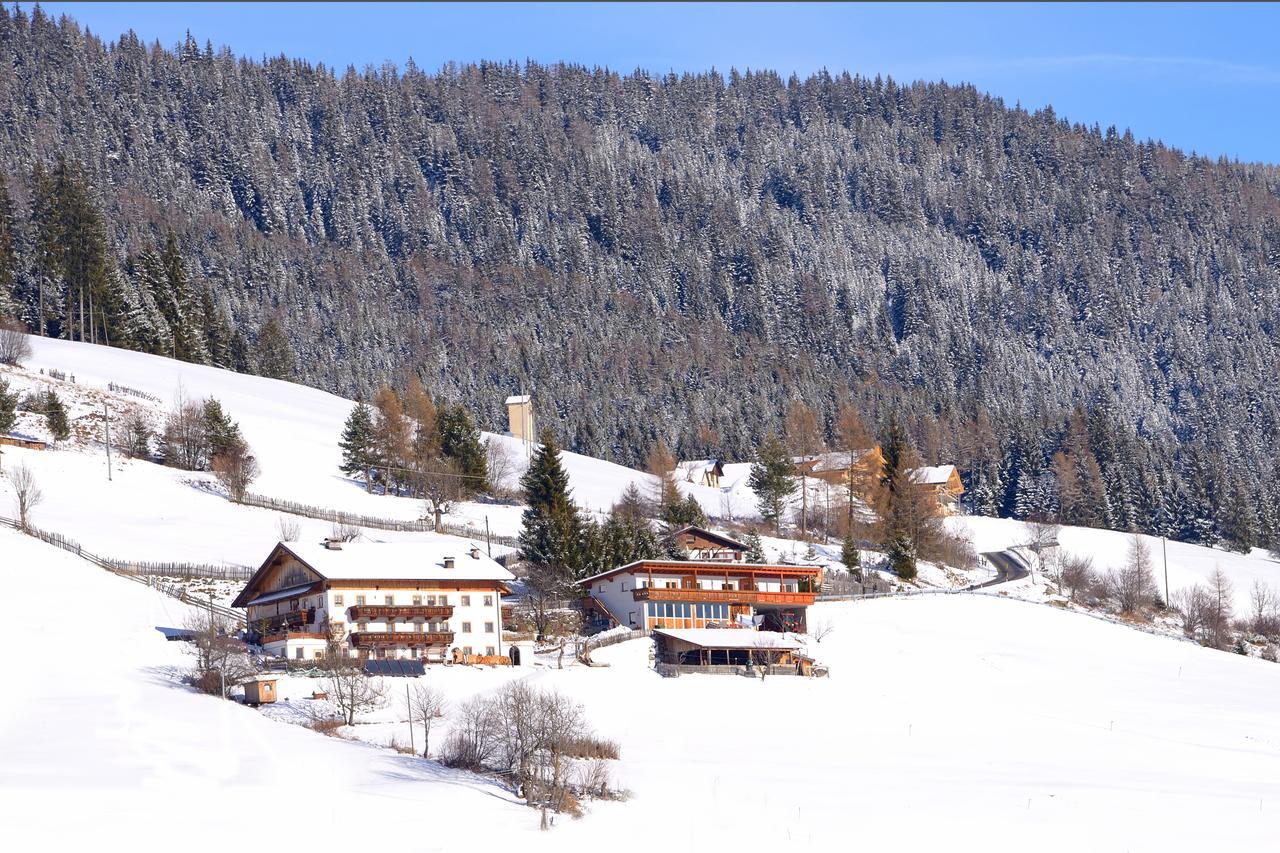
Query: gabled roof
x,y
373,561
675,567
932,475
839,460
693,469
720,539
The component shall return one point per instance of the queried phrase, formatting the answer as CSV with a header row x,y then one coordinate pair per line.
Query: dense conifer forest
x,y
1084,322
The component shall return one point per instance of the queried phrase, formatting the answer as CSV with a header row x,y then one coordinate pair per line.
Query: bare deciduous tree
x,y
821,629
26,495
502,468
1075,575
235,469
546,590
288,528
427,702
1133,586
350,689
1264,607
1220,591
344,532
221,659
441,488
15,347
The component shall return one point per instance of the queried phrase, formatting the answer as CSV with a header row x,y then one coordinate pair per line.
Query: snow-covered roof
x,y
730,638
400,560
675,567
696,467
836,461
519,398
932,475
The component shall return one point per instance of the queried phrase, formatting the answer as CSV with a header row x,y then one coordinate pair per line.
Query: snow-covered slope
x,y
970,723
101,745
1188,564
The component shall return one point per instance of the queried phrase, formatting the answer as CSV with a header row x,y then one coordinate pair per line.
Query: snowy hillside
x,y
1188,564
991,717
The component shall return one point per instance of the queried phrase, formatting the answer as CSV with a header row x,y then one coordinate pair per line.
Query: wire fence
x,y
340,517
151,574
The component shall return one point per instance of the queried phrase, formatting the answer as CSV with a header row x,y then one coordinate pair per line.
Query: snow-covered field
x,y
963,722
1188,564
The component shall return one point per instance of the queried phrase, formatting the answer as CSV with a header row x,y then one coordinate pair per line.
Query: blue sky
x,y
1203,77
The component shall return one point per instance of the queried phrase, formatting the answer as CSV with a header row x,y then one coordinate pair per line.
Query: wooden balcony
x,y
726,596
286,621
399,612
367,639
293,635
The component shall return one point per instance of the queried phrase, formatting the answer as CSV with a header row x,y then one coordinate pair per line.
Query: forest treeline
x,y
1084,322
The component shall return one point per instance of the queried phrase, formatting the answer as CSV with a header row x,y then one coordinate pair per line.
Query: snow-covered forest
x,y
1085,323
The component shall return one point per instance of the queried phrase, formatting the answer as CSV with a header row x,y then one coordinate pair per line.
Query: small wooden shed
x,y
260,691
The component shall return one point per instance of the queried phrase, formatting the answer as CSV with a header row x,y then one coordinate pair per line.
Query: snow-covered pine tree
x,y
359,456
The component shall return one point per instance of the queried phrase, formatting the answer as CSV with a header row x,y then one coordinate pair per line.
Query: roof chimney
x,y
448,562
475,552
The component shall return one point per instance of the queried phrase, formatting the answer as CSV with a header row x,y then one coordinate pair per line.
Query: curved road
x,y
1009,566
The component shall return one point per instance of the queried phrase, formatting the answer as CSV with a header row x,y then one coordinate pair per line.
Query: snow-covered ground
x,y
1188,564
964,722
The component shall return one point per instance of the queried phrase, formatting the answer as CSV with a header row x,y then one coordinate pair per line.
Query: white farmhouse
x,y
378,599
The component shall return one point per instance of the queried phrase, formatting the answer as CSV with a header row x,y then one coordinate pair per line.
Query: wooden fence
x,y
355,520
148,573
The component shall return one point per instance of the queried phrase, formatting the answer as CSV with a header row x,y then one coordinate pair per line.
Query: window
x,y
297,654
337,601
466,650
359,599
488,627
488,601
466,627
293,604
417,626
388,600
444,601
488,650
417,600
319,654
466,601
338,627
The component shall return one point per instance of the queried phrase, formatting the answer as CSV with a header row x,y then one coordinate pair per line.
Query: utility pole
x,y
106,419
488,541
1164,551
409,707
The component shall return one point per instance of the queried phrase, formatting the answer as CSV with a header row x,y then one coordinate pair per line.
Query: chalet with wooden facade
x,y
418,600
943,482
836,467
649,594
701,472
700,544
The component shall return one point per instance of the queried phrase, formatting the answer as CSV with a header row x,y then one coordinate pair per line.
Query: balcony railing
x,y
365,639
283,621
293,635
405,611
731,596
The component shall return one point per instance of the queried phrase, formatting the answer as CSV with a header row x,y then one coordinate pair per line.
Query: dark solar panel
x,y
394,667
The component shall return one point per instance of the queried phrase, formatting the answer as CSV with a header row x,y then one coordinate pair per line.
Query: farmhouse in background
x,y
701,472
419,600
649,594
701,544
836,467
943,481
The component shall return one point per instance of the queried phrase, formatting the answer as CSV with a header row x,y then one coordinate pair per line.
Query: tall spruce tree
x,y
359,456
460,442
772,479
552,528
